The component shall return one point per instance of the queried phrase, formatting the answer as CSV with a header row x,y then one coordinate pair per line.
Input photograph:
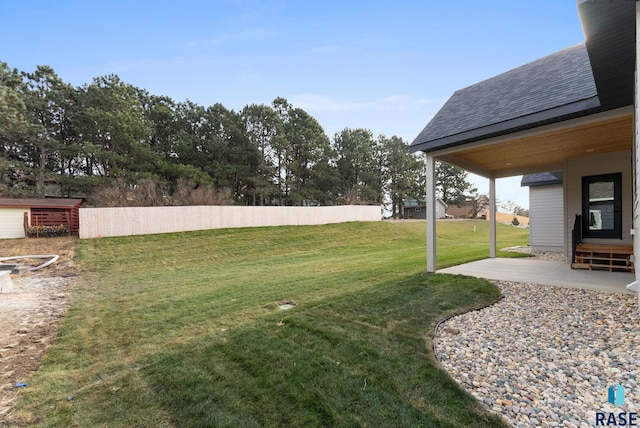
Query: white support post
x,y
431,213
492,215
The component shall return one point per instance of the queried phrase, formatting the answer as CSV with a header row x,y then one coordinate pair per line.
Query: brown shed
x,y
16,214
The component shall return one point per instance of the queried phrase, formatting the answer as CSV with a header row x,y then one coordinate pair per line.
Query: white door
x,y
11,222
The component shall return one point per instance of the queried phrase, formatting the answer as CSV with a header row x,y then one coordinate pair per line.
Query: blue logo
x,y
615,395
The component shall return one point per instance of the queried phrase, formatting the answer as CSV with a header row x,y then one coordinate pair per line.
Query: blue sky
x,y
387,66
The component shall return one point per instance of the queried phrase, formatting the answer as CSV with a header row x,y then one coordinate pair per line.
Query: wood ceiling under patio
x,y
544,151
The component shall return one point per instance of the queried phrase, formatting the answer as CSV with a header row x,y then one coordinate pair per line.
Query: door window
x,y
602,206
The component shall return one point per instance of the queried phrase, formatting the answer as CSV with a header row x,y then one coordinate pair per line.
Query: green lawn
x,y
185,329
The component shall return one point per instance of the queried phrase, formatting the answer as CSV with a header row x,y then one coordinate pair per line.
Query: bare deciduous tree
x,y
188,192
154,192
479,203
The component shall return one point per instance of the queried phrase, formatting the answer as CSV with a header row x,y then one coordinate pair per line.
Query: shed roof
x,y
541,179
59,203
411,203
581,80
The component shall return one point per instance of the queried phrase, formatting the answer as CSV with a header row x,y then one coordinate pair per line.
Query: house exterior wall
x,y
415,212
608,163
546,218
420,212
460,212
12,222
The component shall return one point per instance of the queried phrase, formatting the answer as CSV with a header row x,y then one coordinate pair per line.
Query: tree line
x,y
118,144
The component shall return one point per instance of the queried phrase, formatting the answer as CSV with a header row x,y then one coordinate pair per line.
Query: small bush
x,y
515,221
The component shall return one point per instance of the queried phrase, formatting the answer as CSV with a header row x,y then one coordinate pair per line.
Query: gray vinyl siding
x,y
546,221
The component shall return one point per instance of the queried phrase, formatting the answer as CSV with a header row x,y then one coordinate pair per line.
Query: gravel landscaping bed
x,y
544,356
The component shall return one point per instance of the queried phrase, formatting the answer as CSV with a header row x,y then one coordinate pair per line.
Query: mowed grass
x,y
185,330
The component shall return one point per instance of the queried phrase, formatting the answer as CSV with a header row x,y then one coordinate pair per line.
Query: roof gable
x,y
541,179
589,78
411,203
563,79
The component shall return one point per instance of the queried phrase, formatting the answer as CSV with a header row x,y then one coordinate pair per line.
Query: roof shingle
x,y
557,80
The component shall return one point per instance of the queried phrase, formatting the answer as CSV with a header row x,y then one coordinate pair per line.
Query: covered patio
x,y
573,111
544,272
546,353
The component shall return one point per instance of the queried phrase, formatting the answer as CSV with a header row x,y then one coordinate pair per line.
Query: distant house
x,y
465,211
417,209
16,214
460,212
546,211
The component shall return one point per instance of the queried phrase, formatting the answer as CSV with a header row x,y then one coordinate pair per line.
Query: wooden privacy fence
x,y
98,222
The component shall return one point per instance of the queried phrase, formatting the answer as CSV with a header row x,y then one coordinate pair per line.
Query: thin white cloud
x,y
408,102
156,62
400,115
330,49
244,36
319,102
249,77
327,49
326,103
207,43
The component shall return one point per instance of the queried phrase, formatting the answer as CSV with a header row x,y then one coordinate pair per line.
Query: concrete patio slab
x,y
544,272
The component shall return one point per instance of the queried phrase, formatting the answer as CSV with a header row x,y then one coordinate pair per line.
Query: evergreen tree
x,y
14,126
401,173
358,166
262,125
452,185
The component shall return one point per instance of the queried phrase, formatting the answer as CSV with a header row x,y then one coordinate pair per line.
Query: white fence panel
x,y
125,221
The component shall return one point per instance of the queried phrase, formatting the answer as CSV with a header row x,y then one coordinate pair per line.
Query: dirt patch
x,y
31,310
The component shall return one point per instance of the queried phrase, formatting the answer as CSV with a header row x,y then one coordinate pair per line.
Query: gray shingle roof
x,y
541,179
562,81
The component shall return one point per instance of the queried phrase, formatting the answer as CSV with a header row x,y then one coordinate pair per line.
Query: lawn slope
x,y
185,329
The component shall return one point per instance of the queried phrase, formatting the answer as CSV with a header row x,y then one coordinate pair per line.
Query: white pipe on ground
x,y
53,258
